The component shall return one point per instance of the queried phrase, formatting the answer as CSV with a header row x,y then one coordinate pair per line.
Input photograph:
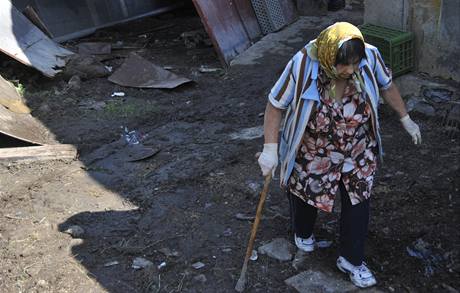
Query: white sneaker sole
x,y
343,270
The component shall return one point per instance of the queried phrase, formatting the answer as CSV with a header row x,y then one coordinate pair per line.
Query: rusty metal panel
x,y
68,19
249,18
225,27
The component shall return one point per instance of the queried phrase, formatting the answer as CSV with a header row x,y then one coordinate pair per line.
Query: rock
x,y
248,133
75,231
141,263
315,281
279,249
198,265
74,83
168,252
254,187
200,278
42,283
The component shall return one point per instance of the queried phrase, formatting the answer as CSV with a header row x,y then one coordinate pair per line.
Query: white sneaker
x,y
361,276
307,245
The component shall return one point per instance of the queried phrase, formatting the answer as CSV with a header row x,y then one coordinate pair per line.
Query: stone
x,y
168,252
75,231
200,278
248,133
141,263
279,249
74,83
198,265
315,281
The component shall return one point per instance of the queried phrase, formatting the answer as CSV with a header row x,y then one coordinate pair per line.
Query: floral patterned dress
x,y
338,146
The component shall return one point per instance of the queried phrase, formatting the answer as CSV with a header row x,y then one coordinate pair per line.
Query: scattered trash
x,y
168,67
323,243
437,95
109,68
226,249
279,249
140,73
111,263
198,265
162,265
254,255
248,133
261,114
208,205
75,231
423,250
132,137
94,48
117,94
141,263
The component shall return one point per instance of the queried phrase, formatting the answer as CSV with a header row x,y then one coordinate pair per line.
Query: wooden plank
x,y
23,41
24,127
224,26
39,153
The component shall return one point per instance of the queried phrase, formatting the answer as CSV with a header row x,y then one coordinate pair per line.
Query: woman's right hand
x,y
268,160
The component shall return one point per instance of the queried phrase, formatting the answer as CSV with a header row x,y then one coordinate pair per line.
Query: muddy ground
x,y
179,206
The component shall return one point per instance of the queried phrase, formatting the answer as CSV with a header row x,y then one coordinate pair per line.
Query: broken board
x,y
224,24
23,41
24,127
39,153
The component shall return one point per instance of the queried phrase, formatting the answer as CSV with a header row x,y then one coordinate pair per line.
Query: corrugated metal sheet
x,y
225,26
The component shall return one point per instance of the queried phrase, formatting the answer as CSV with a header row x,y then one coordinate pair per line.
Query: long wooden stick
x,y
242,280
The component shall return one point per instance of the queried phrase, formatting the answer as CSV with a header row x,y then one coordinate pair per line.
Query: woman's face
x,y
344,71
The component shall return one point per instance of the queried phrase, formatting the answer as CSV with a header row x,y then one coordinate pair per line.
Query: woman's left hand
x,y
412,128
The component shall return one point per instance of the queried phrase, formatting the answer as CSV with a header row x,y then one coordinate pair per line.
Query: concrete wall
x,y
436,24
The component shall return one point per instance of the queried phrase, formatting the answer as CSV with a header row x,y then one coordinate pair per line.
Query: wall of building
x,y
436,25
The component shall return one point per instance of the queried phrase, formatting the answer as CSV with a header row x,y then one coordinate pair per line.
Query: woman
x,y
330,140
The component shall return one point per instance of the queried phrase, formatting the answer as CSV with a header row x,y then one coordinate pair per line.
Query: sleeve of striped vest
x,y
381,72
283,91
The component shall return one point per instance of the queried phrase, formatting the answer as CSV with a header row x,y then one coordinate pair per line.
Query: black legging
x,y
354,221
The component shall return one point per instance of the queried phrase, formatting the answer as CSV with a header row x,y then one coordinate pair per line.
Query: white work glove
x,y
412,128
268,159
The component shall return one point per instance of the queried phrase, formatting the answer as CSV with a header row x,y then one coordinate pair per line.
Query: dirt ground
x,y
180,206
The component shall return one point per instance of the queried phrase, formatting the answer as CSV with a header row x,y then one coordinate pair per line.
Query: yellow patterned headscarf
x,y
325,47
329,42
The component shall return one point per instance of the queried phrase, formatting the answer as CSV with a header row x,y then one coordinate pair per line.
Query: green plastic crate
x,y
396,47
